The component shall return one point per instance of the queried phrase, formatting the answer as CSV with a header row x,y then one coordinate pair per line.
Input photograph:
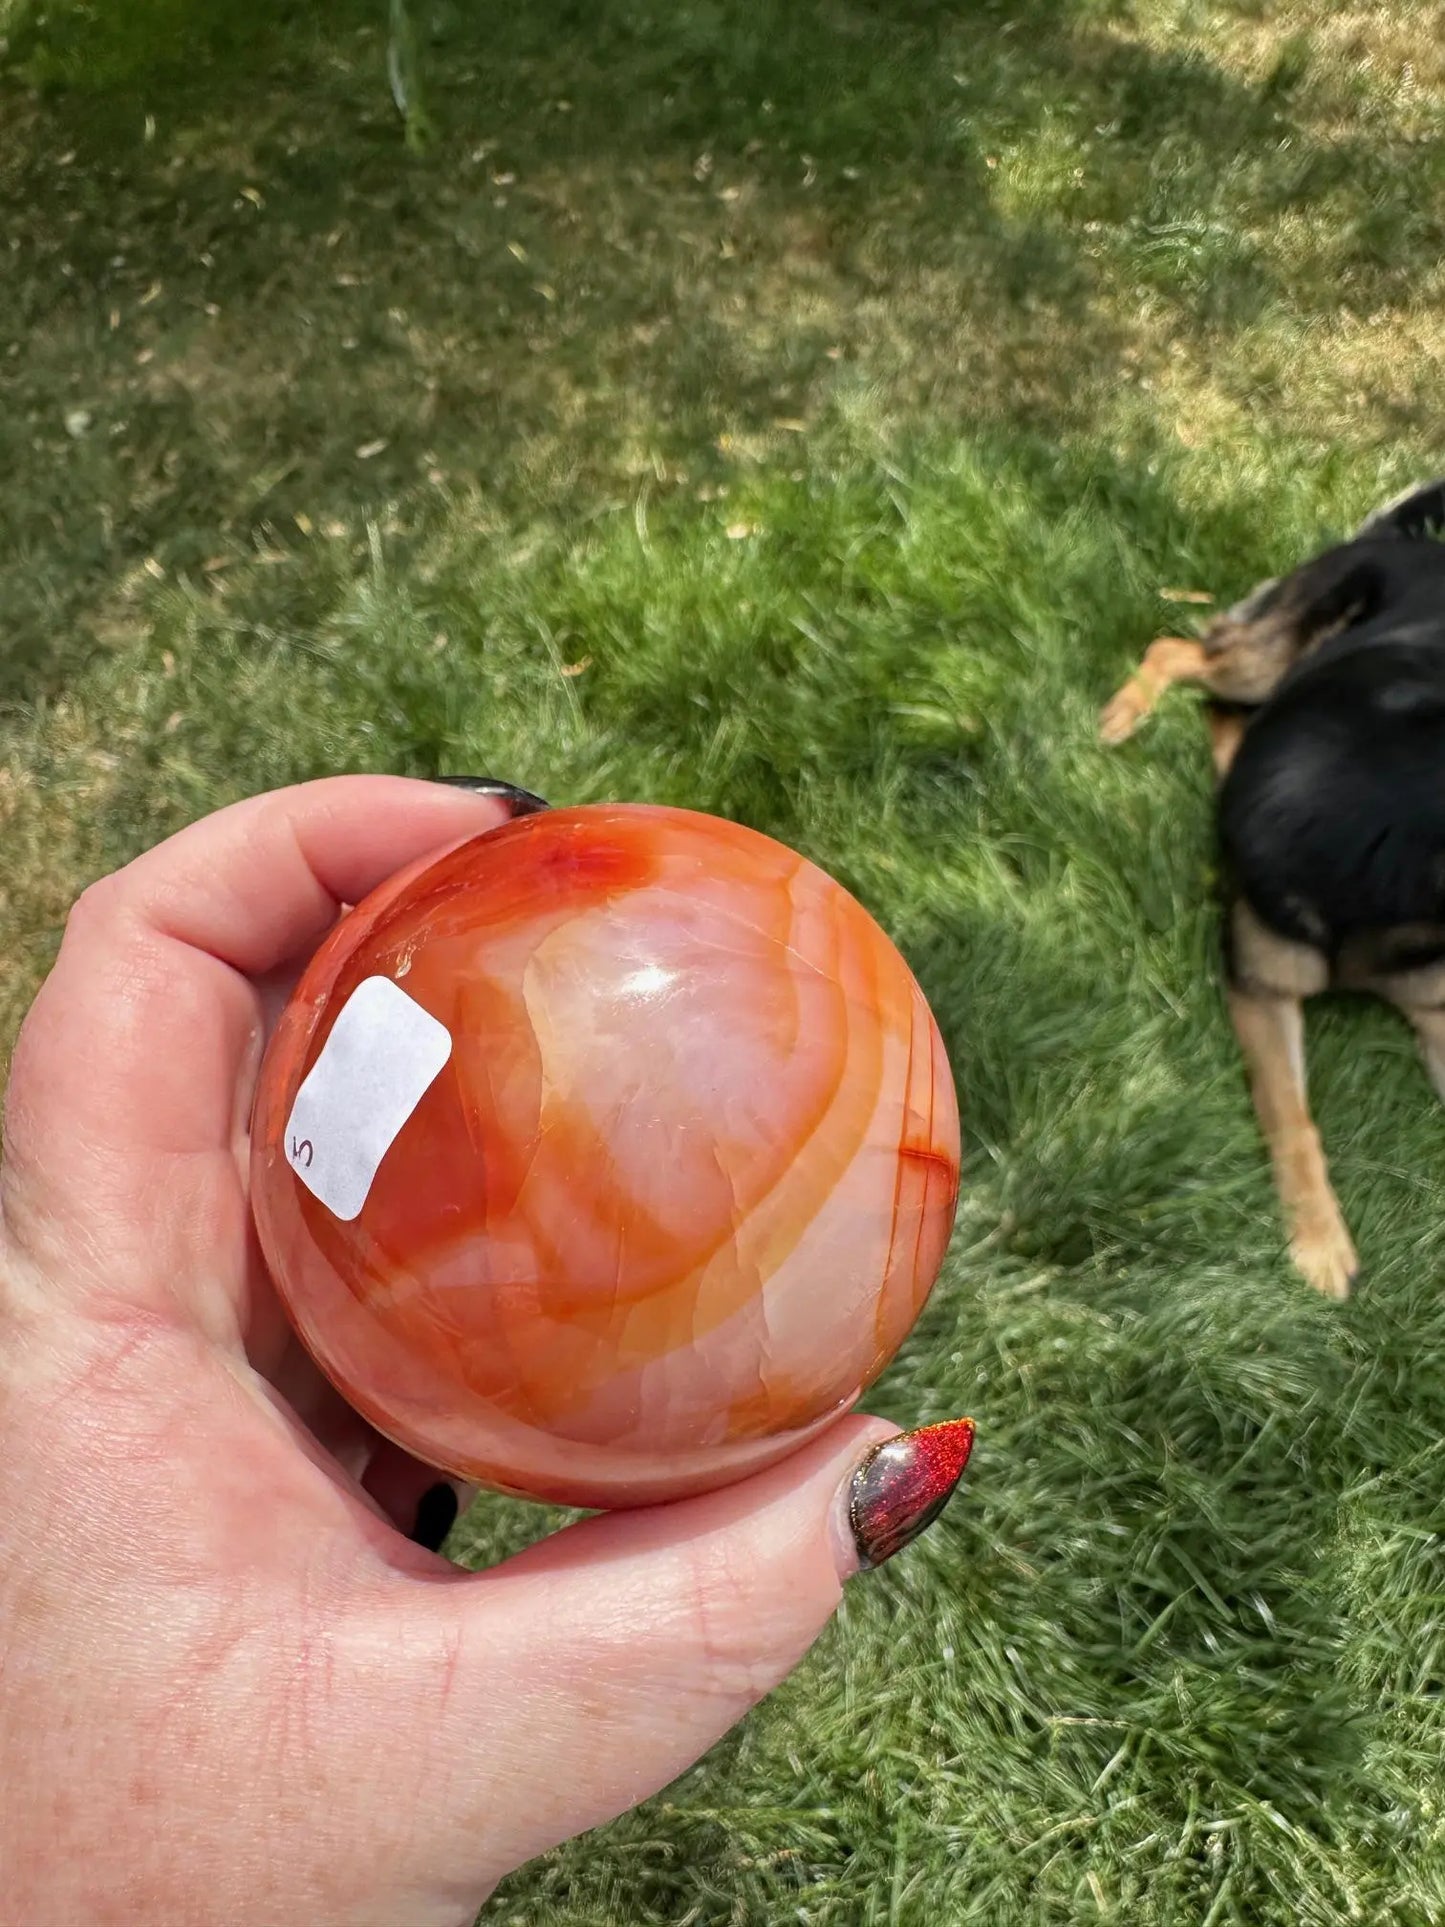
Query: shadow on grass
x,y
650,236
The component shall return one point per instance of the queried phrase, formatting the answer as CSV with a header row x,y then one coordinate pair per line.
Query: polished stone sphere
x,y
607,1157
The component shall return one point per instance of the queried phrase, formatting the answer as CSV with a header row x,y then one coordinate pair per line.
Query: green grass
x,y
797,410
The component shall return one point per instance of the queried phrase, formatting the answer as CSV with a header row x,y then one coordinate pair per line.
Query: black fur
x,y
1332,815
1419,511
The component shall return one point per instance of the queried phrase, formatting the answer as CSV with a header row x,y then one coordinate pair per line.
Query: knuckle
x,y
93,911
736,1623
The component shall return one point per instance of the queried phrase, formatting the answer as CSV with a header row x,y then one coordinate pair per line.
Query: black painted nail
x,y
523,802
436,1514
901,1486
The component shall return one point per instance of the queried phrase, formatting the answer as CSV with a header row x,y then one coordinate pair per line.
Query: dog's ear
x,y
1256,603
1339,589
1417,515
1254,645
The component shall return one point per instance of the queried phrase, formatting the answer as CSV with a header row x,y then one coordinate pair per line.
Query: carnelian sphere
x,y
607,1157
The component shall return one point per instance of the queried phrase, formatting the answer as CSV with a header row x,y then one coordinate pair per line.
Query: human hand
x,y
232,1687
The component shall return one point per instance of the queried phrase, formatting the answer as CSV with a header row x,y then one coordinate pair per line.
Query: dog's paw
x,y
1324,1255
1121,716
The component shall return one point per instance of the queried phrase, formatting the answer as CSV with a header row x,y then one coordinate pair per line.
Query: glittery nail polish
x,y
523,802
900,1486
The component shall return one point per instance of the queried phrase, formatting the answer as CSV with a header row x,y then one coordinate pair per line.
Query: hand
x,y
232,1688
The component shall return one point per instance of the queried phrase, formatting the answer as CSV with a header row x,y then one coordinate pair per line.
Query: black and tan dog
x,y
1328,726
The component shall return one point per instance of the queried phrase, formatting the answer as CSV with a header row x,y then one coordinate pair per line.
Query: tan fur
x,y
1238,658
1270,1030
1430,1029
1271,978
1242,660
1226,733
1166,662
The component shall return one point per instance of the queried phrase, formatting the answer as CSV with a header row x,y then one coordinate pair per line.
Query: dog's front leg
x,y
1226,733
1269,976
1169,660
1270,1029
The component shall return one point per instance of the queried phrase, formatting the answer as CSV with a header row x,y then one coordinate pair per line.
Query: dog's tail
x,y
1418,514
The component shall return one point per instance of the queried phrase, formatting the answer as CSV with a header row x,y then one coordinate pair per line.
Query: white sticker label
x,y
383,1054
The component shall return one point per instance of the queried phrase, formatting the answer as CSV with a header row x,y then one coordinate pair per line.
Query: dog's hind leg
x,y
1419,995
1166,662
1428,1025
1430,1029
1269,976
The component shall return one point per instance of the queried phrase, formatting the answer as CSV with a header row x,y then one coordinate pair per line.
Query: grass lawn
x,y
803,410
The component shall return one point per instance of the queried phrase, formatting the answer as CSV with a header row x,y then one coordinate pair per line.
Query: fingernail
x,y
436,1514
900,1486
523,802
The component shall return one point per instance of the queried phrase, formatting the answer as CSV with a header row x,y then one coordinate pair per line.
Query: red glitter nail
x,y
902,1485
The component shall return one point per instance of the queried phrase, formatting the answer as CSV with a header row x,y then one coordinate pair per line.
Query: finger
x,y
418,1500
591,1670
314,1402
136,1061
227,899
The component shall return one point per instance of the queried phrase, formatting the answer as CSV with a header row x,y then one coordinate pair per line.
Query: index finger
x,y
135,1045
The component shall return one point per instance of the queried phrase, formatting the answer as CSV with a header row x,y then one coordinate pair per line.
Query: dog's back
x,y
1332,813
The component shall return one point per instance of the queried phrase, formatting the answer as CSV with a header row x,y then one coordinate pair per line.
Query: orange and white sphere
x,y
607,1157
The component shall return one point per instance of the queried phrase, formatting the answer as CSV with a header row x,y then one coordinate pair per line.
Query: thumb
x,y
589,1671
